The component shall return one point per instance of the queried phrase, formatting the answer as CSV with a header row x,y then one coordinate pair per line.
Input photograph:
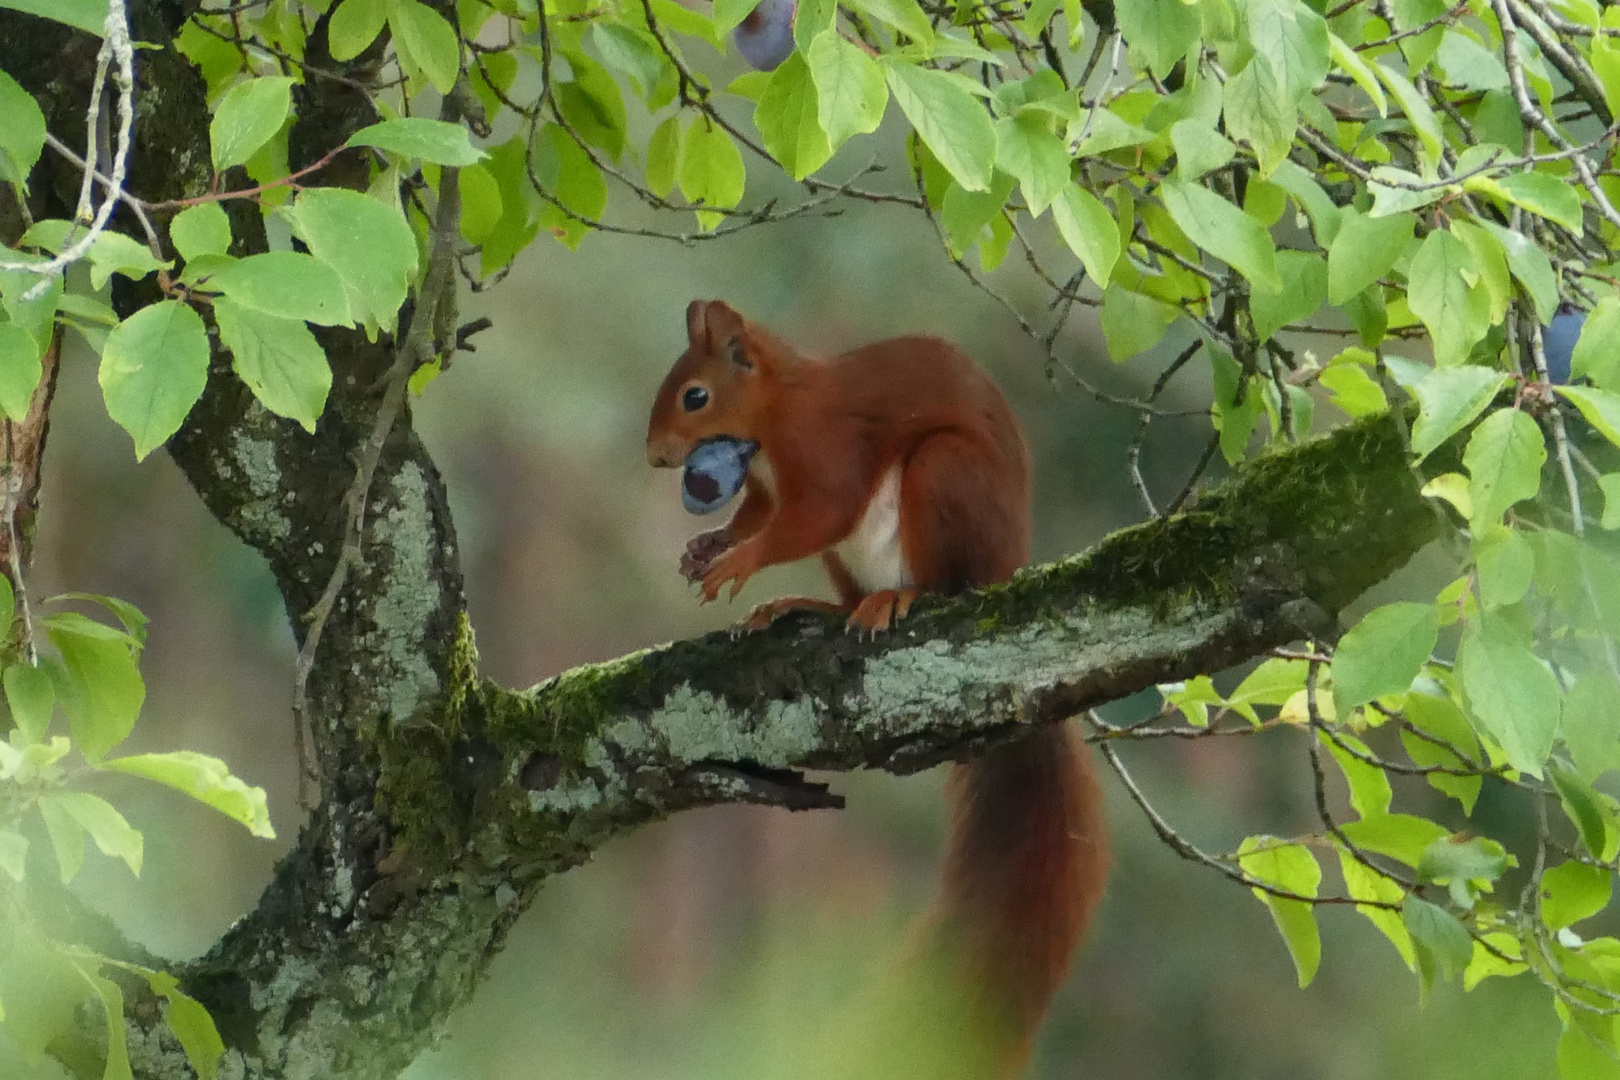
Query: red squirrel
x,y
902,466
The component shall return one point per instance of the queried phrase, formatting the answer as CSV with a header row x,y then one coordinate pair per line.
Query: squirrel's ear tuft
x,y
697,334
724,324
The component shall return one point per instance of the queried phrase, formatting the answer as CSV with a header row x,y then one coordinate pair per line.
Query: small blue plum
x,y
1558,341
715,471
765,36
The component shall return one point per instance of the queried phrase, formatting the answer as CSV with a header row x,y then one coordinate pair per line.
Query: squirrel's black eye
x,y
695,398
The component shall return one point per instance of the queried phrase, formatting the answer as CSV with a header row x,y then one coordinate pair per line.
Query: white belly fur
x,y
871,552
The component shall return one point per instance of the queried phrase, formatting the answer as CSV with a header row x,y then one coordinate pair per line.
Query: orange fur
x,y
1027,856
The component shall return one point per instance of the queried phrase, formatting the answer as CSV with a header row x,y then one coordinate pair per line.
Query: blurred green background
x,y
704,946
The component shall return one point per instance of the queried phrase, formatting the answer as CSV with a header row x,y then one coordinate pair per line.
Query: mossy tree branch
x,y
446,800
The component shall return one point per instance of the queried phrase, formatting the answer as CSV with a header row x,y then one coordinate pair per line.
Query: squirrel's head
x,y
717,387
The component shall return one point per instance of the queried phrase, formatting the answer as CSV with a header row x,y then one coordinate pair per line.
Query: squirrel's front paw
x,y
702,550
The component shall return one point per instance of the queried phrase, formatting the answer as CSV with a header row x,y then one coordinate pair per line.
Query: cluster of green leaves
x,y
91,676
360,259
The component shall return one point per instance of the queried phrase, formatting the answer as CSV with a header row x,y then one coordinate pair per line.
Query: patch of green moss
x,y
562,714
414,781
1298,512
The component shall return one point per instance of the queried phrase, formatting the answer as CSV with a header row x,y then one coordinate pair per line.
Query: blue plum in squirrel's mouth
x,y
715,471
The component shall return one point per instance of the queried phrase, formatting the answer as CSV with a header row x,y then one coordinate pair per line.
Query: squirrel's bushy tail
x,y
1024,870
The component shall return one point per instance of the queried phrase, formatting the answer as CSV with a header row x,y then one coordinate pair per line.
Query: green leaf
x,y
1590,724
788,119
1585,808
37,315
66,836
112,1009
481,205
1531,266
124,611
1597,351
592,104
949,119
1463,858
1442,942
1572,891
1292,868
1304,287
1363,883
248,115
1449,399
1402,837
355,24
631,50
1469,64
369,245
568,174
964,215
1580,1057
110,253
1443,720
903,15
1160,31
31,697
1224,231
1353,390
1416,108
1089,230
13,857
1308,195
811,19
1358,69
1295,40
19,370
1192,698
1601,408
1133,323
417,137
1539,193
86,15
206,779
106,826
1026,149
1383,653
729,13
40,992
427,40
286,284
851,93
278,358
1272,683
191,1025
1234,420
1504,563
1370,792
664,156
105,688
1455,312
1504,459
153,369
22,131
711,169
1199,147
1364,250
1258,112
1510,694
201,230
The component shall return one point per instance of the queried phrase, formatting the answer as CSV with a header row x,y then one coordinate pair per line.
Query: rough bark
x,y
447,800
